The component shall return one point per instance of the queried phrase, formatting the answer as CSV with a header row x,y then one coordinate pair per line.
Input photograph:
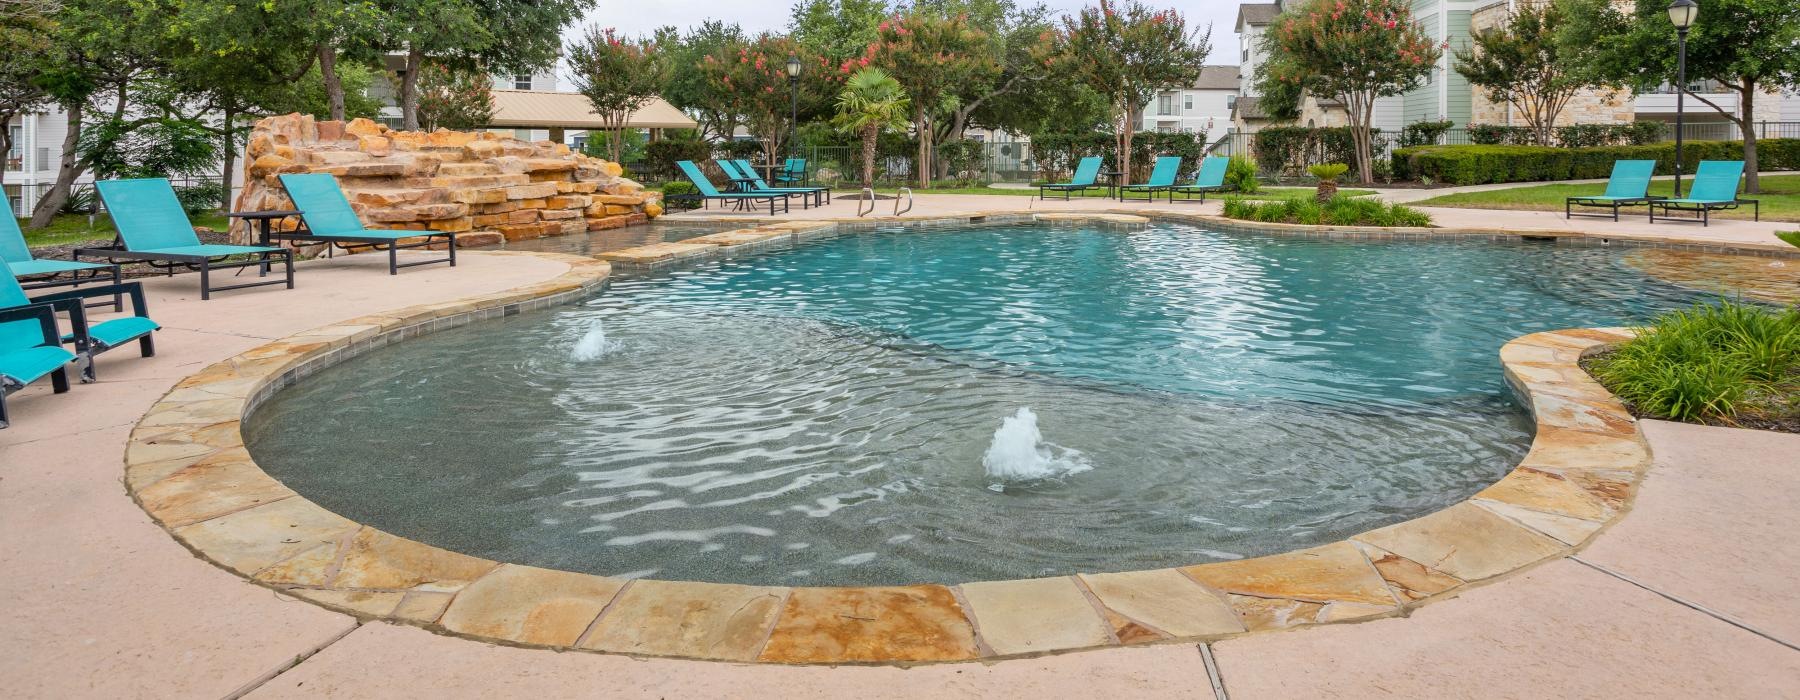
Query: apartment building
x,y
1202,108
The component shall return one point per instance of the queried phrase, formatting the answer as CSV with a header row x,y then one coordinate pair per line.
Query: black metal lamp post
x,y
1681,14
793,72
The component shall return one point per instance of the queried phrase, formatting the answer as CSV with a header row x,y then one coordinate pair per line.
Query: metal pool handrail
x,y
868,196
909,201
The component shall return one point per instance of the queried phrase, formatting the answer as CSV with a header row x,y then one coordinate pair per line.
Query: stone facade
x,y
484,185
1586,107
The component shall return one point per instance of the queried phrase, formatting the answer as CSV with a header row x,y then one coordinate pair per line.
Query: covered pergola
x,y
562,111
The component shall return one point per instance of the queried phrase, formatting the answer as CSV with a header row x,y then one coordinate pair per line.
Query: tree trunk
x,y
409,91
871,134
6,145
229,157
1124,144
1748,125
334,87
67,171
923,127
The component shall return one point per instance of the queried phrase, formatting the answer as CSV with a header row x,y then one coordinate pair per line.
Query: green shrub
x,y
1475,165
1289,149
679,187
1338,211
1424,133
1240,174
1710,363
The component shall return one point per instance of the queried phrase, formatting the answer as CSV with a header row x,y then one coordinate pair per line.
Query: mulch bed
x,y
66,251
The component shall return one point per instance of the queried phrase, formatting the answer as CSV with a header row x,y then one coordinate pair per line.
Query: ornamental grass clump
x,y
1730,363
1337,211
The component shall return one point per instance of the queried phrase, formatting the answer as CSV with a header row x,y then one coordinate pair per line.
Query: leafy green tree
x,y
1127,52
455,99
686,85
1353,51
1749,47
98,52
1020,38
839,30
24,31
1523,64
619,76
871,102
933,57
489,35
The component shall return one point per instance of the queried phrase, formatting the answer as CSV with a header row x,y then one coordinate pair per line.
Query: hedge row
x,y
1477,165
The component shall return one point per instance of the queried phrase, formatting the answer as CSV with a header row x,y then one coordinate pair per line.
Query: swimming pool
x,y
833,415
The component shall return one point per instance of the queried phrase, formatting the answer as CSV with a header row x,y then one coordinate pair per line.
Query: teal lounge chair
x,y
90,340
154,229
792,171
1628,186
49,273
1086,175
1162,179
1715,187
330,219
746,173
30,349
708,192
1211,178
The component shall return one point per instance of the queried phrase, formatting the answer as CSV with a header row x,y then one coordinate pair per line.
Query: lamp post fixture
x,y
1681,14
793,73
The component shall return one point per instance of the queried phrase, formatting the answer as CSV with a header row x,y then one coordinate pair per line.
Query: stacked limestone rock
x,y
484,185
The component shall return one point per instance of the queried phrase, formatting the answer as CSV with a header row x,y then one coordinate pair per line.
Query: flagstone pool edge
x,y
185,464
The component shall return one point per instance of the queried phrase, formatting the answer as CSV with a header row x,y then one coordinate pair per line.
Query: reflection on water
x,y
828,415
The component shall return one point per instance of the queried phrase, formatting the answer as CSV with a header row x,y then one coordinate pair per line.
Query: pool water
x,y
821,416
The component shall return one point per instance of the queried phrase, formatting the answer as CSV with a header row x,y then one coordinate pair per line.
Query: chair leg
x,y
86,360
59,381
147,346
205,280
289,257
393,259
3,421
118,299
453,250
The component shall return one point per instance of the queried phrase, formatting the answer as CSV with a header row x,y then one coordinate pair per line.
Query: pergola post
x,y
556,134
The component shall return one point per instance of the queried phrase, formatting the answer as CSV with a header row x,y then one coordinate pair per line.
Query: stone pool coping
x,y
186,465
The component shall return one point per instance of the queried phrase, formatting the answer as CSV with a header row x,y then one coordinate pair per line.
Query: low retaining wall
x,y
489,186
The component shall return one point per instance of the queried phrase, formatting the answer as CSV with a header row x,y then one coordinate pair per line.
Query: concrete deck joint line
x,y
1727,619
298,659
1212,672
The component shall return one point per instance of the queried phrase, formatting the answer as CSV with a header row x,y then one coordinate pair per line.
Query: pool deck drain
x,y
420,582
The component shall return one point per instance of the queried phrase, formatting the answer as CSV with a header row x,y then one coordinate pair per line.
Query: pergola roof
x,y
543,109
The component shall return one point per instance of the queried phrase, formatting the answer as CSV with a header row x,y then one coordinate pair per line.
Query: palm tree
x,y
871,102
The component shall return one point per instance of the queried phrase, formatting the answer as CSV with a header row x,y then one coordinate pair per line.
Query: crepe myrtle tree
x,y
933,56
750,78
454,99
1522,63
1127,52
1352,51
619,76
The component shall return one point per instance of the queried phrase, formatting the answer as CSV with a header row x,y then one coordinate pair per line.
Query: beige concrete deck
x,y
1630,227
1691,595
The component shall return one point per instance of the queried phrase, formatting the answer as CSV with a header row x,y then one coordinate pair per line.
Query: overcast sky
x,y
643,16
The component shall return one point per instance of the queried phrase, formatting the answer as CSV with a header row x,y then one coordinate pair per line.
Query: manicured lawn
x,y
1780,198
74,228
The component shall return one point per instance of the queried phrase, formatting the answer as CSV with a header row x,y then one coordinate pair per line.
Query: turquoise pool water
x,y
821,416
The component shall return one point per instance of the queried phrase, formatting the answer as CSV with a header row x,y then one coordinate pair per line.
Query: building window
x,y
1231,101
1245,58
522,82
1165,103
15,157
1187,103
